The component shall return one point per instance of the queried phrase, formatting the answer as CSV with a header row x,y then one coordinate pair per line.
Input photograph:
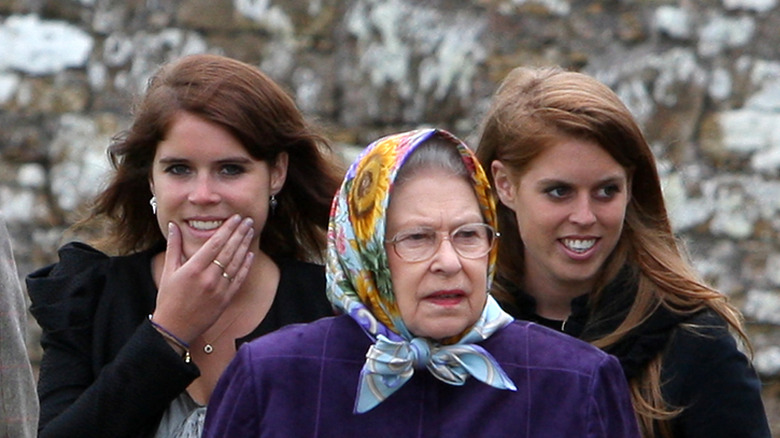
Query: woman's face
x,y
570,205
202,175
444,295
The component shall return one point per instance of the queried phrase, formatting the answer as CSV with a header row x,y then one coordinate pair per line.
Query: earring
x,y
273,203
153,203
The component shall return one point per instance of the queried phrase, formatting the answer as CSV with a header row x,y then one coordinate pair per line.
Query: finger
x,y
234,249
237,246
173,249
218,263
165,312
241,274
243,270
205,255
227,276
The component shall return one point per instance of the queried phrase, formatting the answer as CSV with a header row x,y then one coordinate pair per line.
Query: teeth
x,y
205,225
579,245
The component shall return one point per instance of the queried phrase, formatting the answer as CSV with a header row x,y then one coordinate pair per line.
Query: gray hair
x,y
434,153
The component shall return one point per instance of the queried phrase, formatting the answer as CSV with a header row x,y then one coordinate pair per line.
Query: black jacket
x,y
106,372
703,371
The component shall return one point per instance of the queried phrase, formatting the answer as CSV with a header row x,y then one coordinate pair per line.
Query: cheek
x,y
168,210
405,298
477,271
406,280
535,221
168,193
397,275
614,217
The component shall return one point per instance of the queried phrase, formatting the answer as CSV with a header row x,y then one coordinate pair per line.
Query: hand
x,y
193,293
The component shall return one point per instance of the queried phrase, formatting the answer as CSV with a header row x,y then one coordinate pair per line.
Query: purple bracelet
x,y
173,337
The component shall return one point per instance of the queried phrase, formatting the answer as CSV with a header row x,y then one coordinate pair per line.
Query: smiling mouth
x,y
579,245
205,225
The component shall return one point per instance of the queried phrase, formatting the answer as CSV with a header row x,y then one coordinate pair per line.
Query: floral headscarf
x,y
359,282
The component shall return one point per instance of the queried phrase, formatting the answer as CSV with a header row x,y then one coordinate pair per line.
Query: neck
x,y
261,271
552,307
256,292
553,298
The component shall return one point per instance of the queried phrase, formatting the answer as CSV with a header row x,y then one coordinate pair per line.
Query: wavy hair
x,y
256,111
533,109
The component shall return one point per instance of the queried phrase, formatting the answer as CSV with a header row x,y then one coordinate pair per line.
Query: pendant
x,y
208,348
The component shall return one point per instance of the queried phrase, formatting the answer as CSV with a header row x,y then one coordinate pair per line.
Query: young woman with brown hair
x,y
219,163
586,248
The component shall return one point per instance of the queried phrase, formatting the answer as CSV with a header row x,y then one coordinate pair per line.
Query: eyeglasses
x,y
470,241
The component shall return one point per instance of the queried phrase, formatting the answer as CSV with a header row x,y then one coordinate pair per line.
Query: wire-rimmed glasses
x,y
470,241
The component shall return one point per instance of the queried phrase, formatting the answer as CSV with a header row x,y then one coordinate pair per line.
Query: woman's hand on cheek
x,y
193,293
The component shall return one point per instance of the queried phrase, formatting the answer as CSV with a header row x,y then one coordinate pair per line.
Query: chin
x,y
189,250
440,333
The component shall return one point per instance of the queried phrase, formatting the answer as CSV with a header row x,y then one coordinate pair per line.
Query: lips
x,y
446,297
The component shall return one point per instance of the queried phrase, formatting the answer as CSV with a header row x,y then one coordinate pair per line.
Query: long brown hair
x,y
533,109
265,120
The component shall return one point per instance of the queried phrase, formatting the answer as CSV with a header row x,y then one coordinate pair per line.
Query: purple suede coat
x,y
301,381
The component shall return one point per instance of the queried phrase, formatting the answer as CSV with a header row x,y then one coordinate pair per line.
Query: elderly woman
x,y
420,349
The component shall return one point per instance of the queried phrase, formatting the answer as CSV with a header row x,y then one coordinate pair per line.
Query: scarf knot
x,y
390,364
421,351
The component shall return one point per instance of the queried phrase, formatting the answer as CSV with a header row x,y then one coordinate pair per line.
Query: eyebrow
x,y
614,179
236,159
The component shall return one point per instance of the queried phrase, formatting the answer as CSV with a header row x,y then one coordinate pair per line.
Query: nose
x,y
582,213
203,191
446,259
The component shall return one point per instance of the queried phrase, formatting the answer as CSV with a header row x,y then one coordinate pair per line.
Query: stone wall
x,y
702,76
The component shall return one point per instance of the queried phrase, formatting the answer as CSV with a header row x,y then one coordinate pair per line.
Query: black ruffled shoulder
x,y
590,322
66,293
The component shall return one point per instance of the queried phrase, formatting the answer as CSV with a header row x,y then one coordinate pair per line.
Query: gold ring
x,y
218,263
229,278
